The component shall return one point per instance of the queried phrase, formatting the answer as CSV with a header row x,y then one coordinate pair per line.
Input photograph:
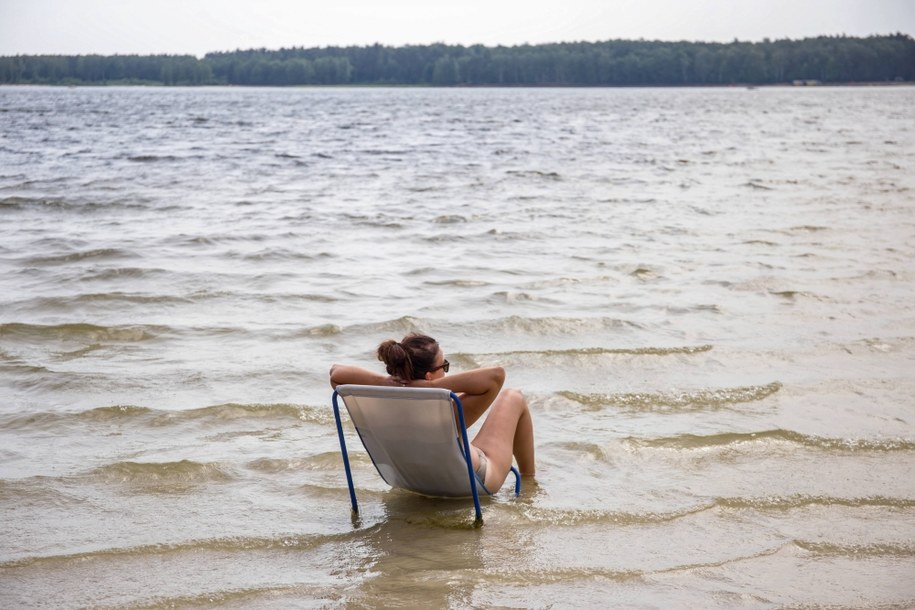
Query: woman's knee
x,y
515,401
514,396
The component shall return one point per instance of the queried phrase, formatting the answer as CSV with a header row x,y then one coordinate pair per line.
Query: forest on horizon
x,y
824,59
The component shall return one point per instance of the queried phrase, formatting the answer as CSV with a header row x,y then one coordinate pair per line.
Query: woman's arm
x,y
478,389
475,382
342,373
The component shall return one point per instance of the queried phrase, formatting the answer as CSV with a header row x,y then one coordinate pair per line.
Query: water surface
x,y
706,295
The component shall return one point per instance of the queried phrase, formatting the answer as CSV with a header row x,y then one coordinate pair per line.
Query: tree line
x,y
826,59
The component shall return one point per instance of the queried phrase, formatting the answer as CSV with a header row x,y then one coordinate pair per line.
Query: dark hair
x,y
411,358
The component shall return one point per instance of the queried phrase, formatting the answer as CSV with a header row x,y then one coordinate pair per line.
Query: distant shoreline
x,y
152,84
826,60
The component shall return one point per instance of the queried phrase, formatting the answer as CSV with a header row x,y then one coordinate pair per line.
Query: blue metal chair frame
x,y
478,520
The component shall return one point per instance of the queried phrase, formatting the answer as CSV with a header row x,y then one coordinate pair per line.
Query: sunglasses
x,y
444,366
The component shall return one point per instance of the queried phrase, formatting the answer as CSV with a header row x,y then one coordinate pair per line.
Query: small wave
x,y
794,295
50,420
36,491
512,296
277,254
449,219
424,189
62,381
714,308
534,174
863,551
590,450
461,283
598,351
383,152
22,203
95,254
264,433
690,441
136,415
228,544
402,325
698,399
162,476
246,597
566,517
381,223
555,325
645,273
152,158
754,184
15,364
42,204
875,274
114,413
118,274
807,229
78,331
503,235
441,238
23,372
323,330
787,294
329,460
233,411
533,578
65,303
80,353
801,501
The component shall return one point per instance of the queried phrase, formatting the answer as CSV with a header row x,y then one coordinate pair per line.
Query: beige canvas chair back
x,y
412,437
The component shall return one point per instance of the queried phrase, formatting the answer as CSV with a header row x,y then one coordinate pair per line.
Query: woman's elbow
x,y
334,375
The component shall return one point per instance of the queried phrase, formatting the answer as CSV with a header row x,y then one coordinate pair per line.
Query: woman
x,y
418,361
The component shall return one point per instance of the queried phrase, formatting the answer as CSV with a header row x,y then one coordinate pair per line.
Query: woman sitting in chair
x,y
508,430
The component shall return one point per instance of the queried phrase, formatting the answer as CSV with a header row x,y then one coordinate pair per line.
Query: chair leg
x,y
478,520
517,481
349,475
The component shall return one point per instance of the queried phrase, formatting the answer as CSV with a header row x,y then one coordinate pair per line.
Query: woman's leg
x,y
507,431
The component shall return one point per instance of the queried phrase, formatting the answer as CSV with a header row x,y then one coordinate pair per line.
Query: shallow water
x,y
706,295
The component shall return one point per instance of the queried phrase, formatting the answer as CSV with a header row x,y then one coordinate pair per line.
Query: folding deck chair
x,y
414,440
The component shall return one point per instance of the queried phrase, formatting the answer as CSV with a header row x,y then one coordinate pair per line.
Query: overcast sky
x,y
199,26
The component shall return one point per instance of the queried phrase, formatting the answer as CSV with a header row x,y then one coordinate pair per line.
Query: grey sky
x,y
200,26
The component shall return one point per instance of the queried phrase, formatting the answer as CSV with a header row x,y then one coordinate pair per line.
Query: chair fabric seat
x,y
412,437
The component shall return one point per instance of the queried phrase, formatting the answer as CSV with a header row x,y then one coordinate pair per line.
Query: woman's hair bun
x,y
409,359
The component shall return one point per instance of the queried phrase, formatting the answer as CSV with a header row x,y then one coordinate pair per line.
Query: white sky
x,y
199,26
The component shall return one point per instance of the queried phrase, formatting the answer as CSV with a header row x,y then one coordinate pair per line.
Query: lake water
x,y
707,296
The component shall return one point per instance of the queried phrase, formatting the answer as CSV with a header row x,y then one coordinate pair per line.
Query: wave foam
x,y
690,441
696,399
77,331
